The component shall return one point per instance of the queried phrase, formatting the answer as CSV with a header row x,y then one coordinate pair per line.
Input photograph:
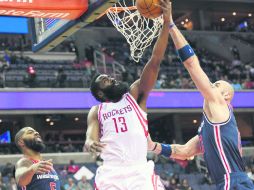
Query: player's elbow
x,y
23,182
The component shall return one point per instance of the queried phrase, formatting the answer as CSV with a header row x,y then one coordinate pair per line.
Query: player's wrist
x,y
171,25
156,148
88,145
33,168
166,150
165,23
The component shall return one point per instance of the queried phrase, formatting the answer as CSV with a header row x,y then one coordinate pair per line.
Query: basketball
x,y
148,8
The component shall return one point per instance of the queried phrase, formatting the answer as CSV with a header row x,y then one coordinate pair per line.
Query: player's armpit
x,y
134,89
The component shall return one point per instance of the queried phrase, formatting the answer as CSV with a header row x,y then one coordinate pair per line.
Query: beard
x,y
36,146
115,92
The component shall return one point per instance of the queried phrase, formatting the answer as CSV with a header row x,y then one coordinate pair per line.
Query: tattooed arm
x,y
182,152
190,149
25,170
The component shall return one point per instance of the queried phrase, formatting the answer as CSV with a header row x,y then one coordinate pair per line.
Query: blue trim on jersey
x,y
221,123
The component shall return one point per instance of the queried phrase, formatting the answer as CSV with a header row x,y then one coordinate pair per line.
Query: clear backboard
x,y
47,33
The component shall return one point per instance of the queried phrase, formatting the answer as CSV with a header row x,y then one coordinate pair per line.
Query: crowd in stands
x,y
20,71
17,70
64,146
174,76
245,25
15,43
230,25
55,143
23,43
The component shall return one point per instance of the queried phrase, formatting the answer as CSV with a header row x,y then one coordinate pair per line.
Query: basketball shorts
x,y
127,177
237,181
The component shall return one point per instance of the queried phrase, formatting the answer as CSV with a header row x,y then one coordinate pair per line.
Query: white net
x,y
138,30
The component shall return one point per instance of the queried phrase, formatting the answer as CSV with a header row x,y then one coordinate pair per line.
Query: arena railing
x,y
80,157
58,158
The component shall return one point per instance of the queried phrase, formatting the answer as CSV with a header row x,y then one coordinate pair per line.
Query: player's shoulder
x,y
134,89
23,162
93,111
94,108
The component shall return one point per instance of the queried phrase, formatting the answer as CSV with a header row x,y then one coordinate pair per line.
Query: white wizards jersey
x,y
124,130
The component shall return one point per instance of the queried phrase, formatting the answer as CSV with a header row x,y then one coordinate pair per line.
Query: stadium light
x,y
194,121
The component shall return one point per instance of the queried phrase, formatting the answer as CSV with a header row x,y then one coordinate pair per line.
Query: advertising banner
x,y
62,9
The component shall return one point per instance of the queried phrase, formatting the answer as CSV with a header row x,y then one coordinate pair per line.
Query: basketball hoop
x,y
138,30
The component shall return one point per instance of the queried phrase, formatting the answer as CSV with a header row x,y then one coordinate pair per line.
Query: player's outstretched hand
x,y
43,167
166,7
96,147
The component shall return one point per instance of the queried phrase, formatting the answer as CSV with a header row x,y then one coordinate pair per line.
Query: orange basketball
x,y
148,8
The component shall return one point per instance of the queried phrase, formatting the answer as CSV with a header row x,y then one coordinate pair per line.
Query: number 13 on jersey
x,y
120,124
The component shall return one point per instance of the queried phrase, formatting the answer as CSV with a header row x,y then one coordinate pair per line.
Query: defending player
x,y
218,136
118,126
31,171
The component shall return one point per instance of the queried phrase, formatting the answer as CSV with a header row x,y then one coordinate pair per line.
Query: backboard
x,y
47,33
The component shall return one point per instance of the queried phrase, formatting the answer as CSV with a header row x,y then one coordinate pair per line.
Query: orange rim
x,y
120,9
117,9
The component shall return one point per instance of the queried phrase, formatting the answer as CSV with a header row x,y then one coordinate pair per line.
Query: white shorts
x,y
134,177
